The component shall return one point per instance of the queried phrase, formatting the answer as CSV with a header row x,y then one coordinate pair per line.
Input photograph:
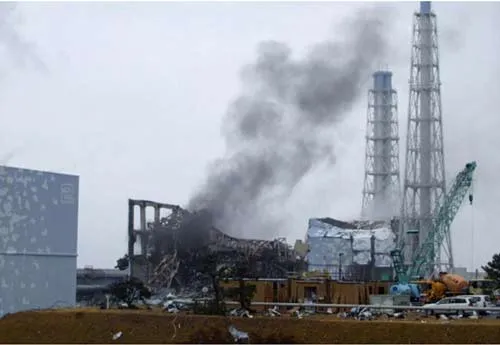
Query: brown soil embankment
x,y
152,327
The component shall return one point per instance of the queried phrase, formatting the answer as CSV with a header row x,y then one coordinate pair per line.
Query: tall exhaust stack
x,y
424,183
382,182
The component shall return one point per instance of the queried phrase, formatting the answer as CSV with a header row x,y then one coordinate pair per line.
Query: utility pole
x,y
340,265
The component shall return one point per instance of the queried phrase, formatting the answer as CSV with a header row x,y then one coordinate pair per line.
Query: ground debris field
x,y
95,326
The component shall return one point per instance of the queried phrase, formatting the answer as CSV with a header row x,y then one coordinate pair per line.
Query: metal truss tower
x,y
382,182
424,182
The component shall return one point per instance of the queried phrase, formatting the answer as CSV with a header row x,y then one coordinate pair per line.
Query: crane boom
x,y
423,258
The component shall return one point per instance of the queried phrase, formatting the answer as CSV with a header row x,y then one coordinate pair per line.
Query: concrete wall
x,y
38,239
101,277
92,284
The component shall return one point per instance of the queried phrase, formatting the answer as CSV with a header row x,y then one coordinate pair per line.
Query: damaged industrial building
x,y
169,252
355,251
174,251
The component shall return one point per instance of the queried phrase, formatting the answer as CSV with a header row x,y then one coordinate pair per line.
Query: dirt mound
x,y
153,327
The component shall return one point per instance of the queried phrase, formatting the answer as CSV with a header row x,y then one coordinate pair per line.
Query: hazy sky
x,y
131,97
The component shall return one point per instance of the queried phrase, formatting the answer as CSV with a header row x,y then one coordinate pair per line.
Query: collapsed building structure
x,y
171,251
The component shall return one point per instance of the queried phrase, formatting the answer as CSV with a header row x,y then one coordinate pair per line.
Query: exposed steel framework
x,y
424,182
381,188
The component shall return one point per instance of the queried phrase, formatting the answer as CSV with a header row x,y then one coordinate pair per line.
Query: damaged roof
x,y
330,240
355,224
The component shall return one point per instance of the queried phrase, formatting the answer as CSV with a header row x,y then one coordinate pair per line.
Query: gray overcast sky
x,y
132,96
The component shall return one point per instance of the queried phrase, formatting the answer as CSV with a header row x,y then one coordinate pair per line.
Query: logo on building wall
x,y
67,194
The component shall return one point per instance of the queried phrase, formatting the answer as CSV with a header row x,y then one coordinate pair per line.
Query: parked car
x,y
449,305
480,301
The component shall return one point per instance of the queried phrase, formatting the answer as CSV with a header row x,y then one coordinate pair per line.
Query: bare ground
x,y
95,326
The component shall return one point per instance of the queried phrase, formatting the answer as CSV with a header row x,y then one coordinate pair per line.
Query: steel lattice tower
x,y
382,183
424,183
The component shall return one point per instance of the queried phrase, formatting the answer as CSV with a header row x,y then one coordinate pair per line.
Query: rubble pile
x,y
174,304
177,246
121,326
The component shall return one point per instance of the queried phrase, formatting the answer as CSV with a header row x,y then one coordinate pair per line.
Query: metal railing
x,y
368,306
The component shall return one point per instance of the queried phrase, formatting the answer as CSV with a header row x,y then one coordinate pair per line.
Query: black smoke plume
x,y
280,126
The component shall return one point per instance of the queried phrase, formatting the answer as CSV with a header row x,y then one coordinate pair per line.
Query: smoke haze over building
x,y
280,126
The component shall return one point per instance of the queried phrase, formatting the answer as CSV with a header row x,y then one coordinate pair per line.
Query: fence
x,y
368,306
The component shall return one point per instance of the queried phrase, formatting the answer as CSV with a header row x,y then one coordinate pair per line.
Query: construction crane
x,y
423,259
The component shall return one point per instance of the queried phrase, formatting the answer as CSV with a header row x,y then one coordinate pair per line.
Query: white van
x,y
449,305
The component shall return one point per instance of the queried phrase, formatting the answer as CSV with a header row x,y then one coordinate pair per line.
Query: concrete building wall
x,y
101,277
38,239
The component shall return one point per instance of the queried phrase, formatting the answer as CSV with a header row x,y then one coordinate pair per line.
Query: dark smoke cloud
x,y
280,126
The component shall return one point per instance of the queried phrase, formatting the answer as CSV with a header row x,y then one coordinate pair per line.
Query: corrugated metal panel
x,y
327,241
38,239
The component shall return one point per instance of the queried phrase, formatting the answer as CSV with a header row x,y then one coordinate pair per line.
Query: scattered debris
x,y
239,336
175,327
443,317
400,315
474,316
173,304
274,311
360,313
365,314
99,327
170,307
240,312
342,315
298,314
117,335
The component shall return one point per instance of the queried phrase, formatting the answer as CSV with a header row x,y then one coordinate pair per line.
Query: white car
x,y
480,301
449,305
